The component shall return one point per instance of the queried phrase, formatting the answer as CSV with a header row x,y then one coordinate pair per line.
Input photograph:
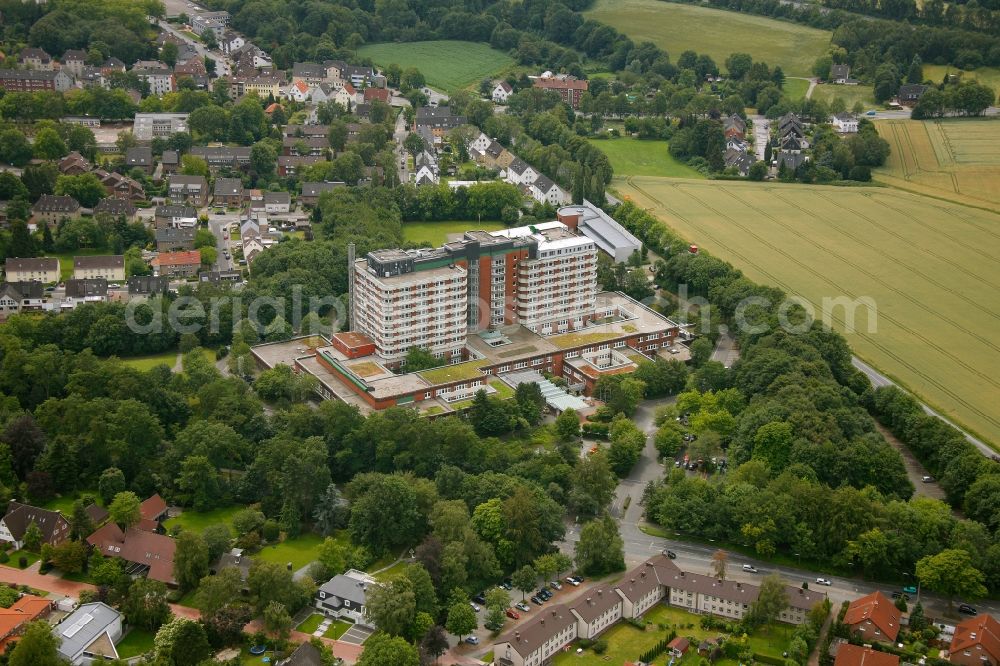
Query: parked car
x,y
671,554
871,113
543,594
555,585
572,581
537,601
523,607
927,479
966,609
749,568
475,606
910,589
823,581
480,599
472,640
512,614
507,584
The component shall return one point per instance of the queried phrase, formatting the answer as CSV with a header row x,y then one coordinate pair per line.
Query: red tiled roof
x,y
377,93
680,644
153,507
877,608
982,630
561,84
855,655
177,258
138,546
26,609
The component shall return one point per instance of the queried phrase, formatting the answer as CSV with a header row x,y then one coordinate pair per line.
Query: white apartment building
x,y
400,303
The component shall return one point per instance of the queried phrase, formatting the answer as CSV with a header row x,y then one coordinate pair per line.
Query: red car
x,y
512,614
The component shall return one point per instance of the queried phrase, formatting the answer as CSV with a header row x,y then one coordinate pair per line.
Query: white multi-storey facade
x,y
400,307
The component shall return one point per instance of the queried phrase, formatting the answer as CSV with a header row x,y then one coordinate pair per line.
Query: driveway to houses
x,y
761,134
356,635
725,351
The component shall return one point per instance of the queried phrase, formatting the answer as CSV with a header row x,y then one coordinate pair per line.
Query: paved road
x,y
878,379
219,225
399,135
221,64
761,134
725,351
696,557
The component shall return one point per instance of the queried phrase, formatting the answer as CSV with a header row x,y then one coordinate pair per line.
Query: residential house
x,y
112,65
536,641
89,634
147,553
170,161
91,290
175,238
215,22
74,164
858,655
790,124
734,126
311,191
873,617
175,216
344,596
35,58
13,620
289,165
976,641
910,93
73,61
739,160
234,559
845,123
152,512
678,647
183,264
497,157
543,190
20,296
306,131
359,76
159,77
191,190
140,157
116,207
346,97
841,75
217,157
598,610
520,172
438,118
306,654
117,185
50,208
323,92
501,92
29,80
193,67
97,514
480,143
229,192
231,41
569,88
40,269
277,202
309,73
790,161
14,524
149,126
221,277
297,91
110,267
372,94
147,285
305,145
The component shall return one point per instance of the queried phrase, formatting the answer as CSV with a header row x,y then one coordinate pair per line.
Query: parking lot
x,y
356,635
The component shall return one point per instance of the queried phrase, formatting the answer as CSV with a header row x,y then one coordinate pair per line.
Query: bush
x,y
4,557
22,562
585,643
271,530
600,646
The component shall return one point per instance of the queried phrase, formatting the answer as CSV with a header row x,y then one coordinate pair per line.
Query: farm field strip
x,y
938,327
715,32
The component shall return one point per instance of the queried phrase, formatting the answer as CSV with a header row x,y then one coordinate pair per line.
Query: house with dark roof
x,y
14,524
909,94
140,157
175,238
501,92
438,118
598,610
217,157
170,161
537,640
790,160
873,617
107,266
544,190
147,285
976,641
116,208
20,296
92,290
311,191
50,208
74,164
520,172
175,216
145,553
840,74
344,596
277,202
34,58
306,654
191,190
32,269
229,192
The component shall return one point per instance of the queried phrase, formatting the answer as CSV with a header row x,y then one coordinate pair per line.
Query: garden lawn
x,y
435,234
64,503
300,551
715,32
395,569
337,629
446,64
135,643
66,259
988,76
827,92
197,521
147,363
15,558
310,624
643,157
796,89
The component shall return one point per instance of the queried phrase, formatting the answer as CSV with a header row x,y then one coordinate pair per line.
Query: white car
x,y
475,606
749,568
823,581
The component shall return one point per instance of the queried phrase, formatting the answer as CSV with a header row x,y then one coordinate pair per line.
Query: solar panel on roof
x,y
78,625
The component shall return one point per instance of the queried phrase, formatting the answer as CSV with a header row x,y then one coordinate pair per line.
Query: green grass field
x,y
197,521
929,267
677,28
168,358
953,158
66,259
64,503
135,643
643,157
300,551
447,65
337,629
826,92
310,624
989,76
435,233
796,89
